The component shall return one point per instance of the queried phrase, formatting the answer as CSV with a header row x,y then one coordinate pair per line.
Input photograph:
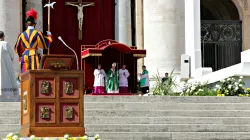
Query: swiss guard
x,y
29,41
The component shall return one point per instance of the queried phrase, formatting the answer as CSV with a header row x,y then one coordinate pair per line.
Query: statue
x,y
80,15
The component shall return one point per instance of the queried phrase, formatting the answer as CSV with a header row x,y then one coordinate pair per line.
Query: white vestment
x,y
123,78
8,81
99,77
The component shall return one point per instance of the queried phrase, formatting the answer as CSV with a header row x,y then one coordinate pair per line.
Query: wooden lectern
x,y
52,99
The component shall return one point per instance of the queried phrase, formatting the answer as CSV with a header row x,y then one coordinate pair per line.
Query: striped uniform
x,y
27,48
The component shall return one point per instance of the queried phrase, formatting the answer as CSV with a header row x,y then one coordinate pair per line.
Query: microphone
x,y
60,38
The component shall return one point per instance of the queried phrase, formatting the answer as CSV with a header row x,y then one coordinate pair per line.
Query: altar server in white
x,y
99,80
8,83
123,79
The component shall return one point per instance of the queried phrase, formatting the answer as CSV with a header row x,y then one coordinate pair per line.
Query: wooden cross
x,y
80,5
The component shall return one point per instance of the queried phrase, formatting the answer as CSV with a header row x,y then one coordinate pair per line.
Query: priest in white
x,y
99,82
123,79
8,83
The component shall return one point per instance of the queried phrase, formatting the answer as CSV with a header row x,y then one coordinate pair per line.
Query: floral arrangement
x,y
11,136
197,89
232,87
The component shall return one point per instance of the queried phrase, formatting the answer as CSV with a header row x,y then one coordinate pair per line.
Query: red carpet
x,y
109,94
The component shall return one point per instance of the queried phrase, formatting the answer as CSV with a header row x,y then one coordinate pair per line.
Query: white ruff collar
x,y
31,27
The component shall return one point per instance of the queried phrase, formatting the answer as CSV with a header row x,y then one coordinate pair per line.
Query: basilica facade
x,y
215,37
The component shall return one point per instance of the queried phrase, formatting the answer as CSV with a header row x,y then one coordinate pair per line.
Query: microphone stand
x,y
60,38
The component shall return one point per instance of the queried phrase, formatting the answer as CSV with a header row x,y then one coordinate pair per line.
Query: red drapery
x,y
98,24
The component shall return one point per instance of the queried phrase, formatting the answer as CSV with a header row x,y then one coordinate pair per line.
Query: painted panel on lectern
x,y
45,88
45,113
69,88
69,113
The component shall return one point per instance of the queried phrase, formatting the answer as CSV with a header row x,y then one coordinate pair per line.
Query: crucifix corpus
x,y
80,5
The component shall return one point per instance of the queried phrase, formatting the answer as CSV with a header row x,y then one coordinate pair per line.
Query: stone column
x,y
37,5
139,31
164,35
123,31
10,17
193,33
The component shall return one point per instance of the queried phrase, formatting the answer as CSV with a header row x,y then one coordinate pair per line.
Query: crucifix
x,y
80,5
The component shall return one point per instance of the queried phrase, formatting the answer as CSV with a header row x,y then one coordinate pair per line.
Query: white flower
x,y
46,139
98,139
10,135
201,90
66,136
5,139
193,88
228,79
241,77
240,85
97,136
15,137
32,137
222,81
240,80
236,88
85,137
230,86
188,90
236,83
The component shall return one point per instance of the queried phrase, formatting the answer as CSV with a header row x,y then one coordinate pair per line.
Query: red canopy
x,y
96,50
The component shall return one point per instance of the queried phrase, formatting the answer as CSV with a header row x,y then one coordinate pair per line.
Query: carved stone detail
x,y
245,4
69,112
68,88
45,87
45,112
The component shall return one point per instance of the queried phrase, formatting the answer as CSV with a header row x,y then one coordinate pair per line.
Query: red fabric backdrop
x,y
98,24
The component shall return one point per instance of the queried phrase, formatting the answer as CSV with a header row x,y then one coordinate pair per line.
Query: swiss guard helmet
x,y
31,16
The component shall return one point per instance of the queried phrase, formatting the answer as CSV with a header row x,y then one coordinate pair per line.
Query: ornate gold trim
x,y
94,54
139,55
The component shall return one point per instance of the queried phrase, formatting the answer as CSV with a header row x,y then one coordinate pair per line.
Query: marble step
x,y
10,128
166,120
168,113
166,128
167,106
167,99
153,113
10,120
175,136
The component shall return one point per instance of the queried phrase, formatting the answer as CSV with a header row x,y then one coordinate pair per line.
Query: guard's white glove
x,y
48,33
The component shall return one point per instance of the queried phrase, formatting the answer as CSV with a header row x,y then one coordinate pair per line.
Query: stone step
x,y
10,113
10,128
175,136
168,113
166,120
166,128
167,106
167,99
10,120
